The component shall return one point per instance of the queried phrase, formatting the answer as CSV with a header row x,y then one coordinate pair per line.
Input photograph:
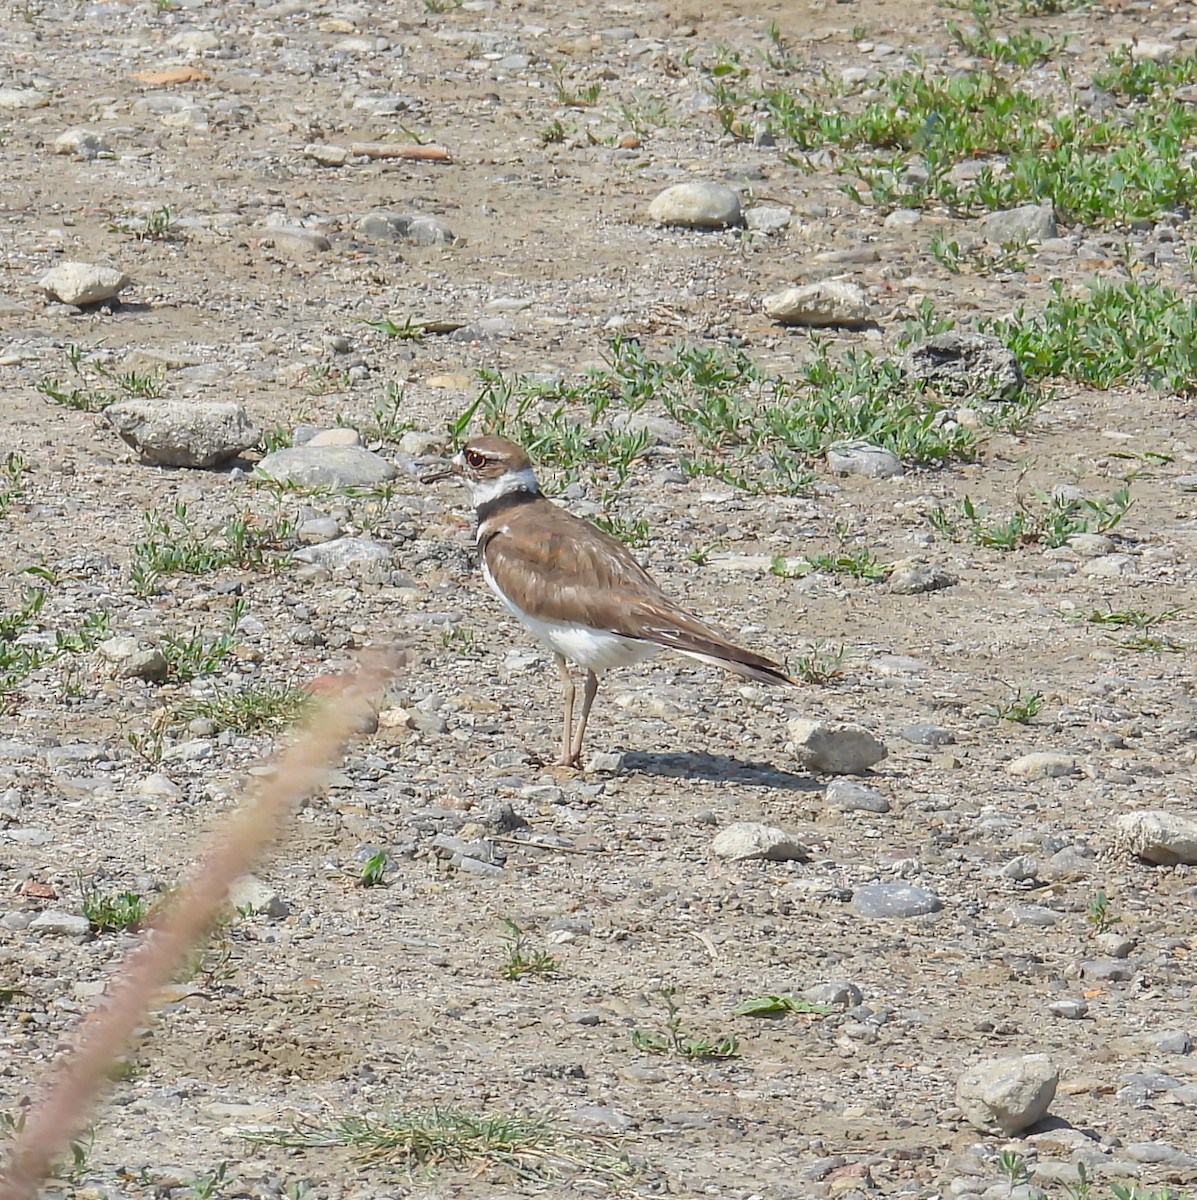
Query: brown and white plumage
x,y
579,590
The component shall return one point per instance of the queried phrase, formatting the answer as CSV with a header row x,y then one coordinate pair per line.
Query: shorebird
x,y
579,590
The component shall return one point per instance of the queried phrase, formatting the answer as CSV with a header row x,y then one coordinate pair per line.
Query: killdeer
x,y
575,587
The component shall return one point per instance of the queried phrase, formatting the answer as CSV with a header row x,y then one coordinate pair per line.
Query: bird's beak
x,y
443,470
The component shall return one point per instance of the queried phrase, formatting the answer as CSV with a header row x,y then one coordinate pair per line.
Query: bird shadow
x,y
719,768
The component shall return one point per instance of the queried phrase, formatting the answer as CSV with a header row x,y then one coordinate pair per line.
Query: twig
x,y
104,1034
389,150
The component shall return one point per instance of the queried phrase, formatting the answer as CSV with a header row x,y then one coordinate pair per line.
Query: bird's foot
x,y
573,761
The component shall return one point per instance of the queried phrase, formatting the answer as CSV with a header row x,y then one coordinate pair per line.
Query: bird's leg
x,y
567,684
592,686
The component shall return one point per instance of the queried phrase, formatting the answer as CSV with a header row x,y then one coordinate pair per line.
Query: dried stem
x,y
105,1033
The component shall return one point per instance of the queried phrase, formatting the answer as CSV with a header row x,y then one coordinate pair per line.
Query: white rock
x,y
1149,50
341,436
909,577
344,551
132,660
179,433
327,466
830,302
862,458
748,839
158,785
1109,566
327,156
60,924
698,205
19,97
1005,1095
1157,836
261,897
1091,545
1043,764
83,283
80,143
194,41
1026,223
768,218
418,444
839,748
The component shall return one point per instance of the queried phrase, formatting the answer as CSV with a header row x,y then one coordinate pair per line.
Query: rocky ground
x,y
974,895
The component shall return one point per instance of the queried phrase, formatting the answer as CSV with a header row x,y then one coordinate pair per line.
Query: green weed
x,y
247,710
677,1039
194,655
25,649
1021,709
773,1005
12,488
114,912
520,960
1040,519
1099,915
410,331
374,869
98,386
821,665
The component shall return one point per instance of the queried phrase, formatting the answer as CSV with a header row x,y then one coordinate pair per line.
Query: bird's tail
x,y
691,637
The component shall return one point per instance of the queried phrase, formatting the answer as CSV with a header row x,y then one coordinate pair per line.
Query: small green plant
x,y
552,134
569,96
373,872
23,649
821,665
113,912
1014,1166
410,331
207,1186
158,225
1143,623
990,260
98,386
1099,915
775,1005
525,1148
1040,519
459,639
520,960
858,562
677,1039
247,710
195,655
1021,709
12,469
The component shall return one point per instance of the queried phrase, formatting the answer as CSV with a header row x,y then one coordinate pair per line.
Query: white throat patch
x,y
483,491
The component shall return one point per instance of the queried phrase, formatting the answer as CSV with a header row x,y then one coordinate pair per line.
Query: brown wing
x,y
562,568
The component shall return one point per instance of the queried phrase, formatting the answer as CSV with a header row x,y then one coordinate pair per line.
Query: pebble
x,y
1110,566
345,552
1069,1010
177,433
747,839
158,785
1006,1095
911,577
327,466
925,734
838,995
862,458
81,283
1157,836
318,529
768,218
60,924
855,797
419,445
602,1116
261,897
1042,764
1021,869
830,302
894,900
1091,545
73,754
1151,50
971,366
697,205
341,435
839,748
1026,223
20,97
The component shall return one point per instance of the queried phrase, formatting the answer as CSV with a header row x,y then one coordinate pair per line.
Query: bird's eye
x,y
475,459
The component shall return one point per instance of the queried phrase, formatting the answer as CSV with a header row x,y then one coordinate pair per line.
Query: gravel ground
x,y
331,999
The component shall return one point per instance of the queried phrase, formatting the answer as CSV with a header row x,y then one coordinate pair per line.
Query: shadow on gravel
x,y
716,767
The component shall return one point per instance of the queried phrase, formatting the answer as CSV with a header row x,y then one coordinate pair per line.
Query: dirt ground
x,y
387,999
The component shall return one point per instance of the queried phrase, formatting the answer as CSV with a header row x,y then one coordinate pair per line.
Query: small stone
x,y
131,660
430,231
418,444
1116,945
748,839
342,435
925,734
903,218
1006,1095
177,433
1045,764
827,303
194,41
1034,915
855,797
1157,836
1069,1010
861,458
970,366
327,466
158,785
1091,545
327,156
82,283
73,754
837,748
318,529
19,97
894,900
910,577
698,205
1026,223
344,552
1021,869
838,995
250,891
1150,50
60,924
768,218
296,241
1109,566
605,762
80,143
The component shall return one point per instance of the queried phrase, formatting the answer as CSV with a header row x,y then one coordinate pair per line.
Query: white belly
x,y
594,649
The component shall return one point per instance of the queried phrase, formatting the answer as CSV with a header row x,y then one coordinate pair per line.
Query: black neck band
x,y
500,504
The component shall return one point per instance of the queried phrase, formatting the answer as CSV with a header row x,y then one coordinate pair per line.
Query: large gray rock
x,y
1157,836
1005,1095
830,302
863,458
60,924
748,839
1043,764
327,466
1026,223
894,901
970,366
83,283
179,433
697,205
345,552
839,748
